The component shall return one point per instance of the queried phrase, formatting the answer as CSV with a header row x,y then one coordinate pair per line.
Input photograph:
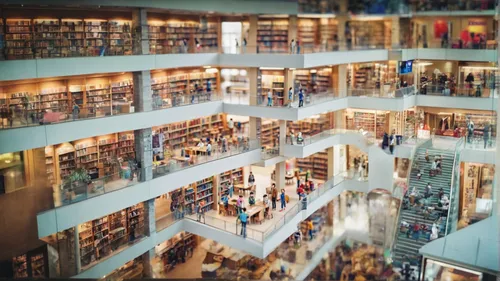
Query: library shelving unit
x,y
205,193
201,79
33,264
20,266
135,215
120,37
98,99
65,161
302,79
157,33
382,124
189,200
72,38
313,81
38,265
47,36
169,250
126,143
323,80
225,178
53,98
368,33
272,36
77,94
311,126
50,164
356,120
117,229
273,81
208,38
176,32
108,151
96,36
317,164
19,39
328,29
269,133
122,94
87,156
2,35
307,34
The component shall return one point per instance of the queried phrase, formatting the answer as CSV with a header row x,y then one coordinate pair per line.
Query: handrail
x,y
452,184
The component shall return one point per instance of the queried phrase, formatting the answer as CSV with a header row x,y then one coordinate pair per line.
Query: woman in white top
x,y
200,144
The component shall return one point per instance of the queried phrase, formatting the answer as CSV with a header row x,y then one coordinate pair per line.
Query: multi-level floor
x,y
103,111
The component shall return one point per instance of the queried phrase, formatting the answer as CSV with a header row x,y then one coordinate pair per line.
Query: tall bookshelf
x,y
236,175
19,39
98,99
324,80
356,120
87,156
96,36
47,36
317,164
122,94
135,215
269,133
108,151
120,37
2,39
53,98
208,38
77,94
72,38
157,35
307,34
117,229
328,29
272,36
126,144
50,164
274,82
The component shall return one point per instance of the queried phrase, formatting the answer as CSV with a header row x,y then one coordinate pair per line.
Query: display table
x,y
241,187
289,179
195,150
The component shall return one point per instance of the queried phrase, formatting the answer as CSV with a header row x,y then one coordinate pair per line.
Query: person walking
x,y
292,46
209,149
243,218
392,141
230,126
301,98
290,95
76,111
298,47
283,200
200,211
486,134
274,196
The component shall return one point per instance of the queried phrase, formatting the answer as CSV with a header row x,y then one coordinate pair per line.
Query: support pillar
x,y
147,259
341,22
339,119
329,220
342,79
254,122
78,260
149,210
141,31
330,154
143,98
280,175
395,40
144,153
288,83
252,35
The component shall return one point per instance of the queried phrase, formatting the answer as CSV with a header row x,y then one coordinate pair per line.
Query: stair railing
x,y
454,189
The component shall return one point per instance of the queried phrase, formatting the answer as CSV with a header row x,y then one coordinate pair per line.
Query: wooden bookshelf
x,y
120,37
276,83
50,164
117,229
307,30
356,120
65,161
20,266
38,266
77,94
72,38
19,39
323,80
182,242
272,36
269,133
135,215
2,35
368,33
328,31
87,156
157,36
53,98
47,37
122,95
208,38
317,164
96,36
126,144
237,175
98,99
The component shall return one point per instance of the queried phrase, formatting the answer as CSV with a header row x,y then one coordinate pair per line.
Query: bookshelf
x,y
98,99
135,215
2,35
368,33
269,133
328,29
181,242
274,82
72,38
96,36
205,193
87,156
47,37
108,152
50,164
65,160
307,34
272,36
117,229
316,163
122,95
208,38
157,33
225,179
120,37
126,143
77,94
356,120
382,124
20,266
19,39
53,98
38,265
323,80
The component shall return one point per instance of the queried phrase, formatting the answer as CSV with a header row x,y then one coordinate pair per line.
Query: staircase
x,y
409,246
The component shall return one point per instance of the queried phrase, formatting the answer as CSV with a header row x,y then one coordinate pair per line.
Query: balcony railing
x,y
282,102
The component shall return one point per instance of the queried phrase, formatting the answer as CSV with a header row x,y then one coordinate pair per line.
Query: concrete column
x,y
141,32
143,100
280,175
292,29
78,260
395,40
330,155
253,81
341,21
339,119
252,34
288,83
144,153
331,207
147,259
282,139
342,86
149,211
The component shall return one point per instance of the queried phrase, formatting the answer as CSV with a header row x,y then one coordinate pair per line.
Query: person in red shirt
x,y
300,191
416,230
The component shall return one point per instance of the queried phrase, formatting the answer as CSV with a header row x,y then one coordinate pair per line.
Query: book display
x,y
272,36
307,34
200,191
100,237
87,156
19,39
313,81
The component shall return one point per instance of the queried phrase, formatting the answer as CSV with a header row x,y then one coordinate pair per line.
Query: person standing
x,y
301,98
274,196
290,95
240,204
298,47
230,125
200,211
76,110
184,45
251,179
243,218
209,149
292,46
270,98
486,134
283,200
428,190
392,142
310,228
